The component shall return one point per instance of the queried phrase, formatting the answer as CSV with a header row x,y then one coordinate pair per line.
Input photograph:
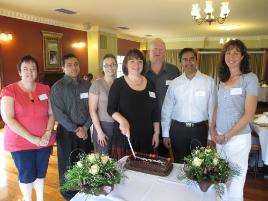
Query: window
x,y
119,68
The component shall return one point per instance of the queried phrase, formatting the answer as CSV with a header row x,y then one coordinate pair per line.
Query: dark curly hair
x,y
133,54
224,72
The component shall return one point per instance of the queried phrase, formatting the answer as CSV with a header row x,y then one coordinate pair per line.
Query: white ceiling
x,y
168,19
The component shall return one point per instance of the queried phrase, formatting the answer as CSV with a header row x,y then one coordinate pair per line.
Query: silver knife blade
x,y
130,145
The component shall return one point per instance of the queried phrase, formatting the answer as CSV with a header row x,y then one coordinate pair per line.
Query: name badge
x,y
235,91
42,97
83,95
152,94
200,93
168,82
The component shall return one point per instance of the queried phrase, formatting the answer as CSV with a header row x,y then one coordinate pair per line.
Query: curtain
x,y
265,71
208,64
256,64
172,56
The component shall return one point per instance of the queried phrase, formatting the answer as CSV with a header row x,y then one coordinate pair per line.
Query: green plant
x,y
205,165
93,172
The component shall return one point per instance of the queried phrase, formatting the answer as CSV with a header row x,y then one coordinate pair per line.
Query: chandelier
x,y
209,13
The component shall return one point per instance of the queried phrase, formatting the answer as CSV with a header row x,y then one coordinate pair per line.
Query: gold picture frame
x,y
52,51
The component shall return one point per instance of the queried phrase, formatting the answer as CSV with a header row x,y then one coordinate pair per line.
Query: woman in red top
x,y
28,133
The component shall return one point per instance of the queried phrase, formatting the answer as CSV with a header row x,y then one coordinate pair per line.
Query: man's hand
x,y
167,142
81,132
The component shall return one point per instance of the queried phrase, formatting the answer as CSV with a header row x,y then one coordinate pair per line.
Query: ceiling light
x,y
222,41
228,27
209,13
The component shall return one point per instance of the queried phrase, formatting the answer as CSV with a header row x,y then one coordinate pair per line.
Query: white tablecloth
x,y
263,94
263,136
144,187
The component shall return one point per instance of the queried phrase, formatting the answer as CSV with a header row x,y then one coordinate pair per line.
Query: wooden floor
x,y
256,188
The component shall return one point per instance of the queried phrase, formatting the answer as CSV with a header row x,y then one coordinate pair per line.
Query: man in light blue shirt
x,y
187,108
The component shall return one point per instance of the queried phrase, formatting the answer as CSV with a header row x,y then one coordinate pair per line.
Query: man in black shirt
x,y
161,74
69,99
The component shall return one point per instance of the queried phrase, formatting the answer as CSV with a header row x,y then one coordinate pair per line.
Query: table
x,y
144,187
263,94
263,136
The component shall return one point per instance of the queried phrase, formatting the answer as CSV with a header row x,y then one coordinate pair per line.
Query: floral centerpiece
x,y
93,174
205,167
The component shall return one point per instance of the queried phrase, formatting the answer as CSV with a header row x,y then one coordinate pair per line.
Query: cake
x,y
150,164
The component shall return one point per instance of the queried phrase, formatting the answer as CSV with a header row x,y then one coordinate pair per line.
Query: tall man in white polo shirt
x,y
187,108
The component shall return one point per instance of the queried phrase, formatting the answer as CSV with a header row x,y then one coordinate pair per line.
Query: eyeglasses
x,y
191,59
110,65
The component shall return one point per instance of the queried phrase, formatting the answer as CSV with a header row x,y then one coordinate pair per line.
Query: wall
x,y
95,53
114,45
27,39
124,45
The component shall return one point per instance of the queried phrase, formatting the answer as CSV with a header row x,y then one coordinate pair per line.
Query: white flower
x,y
197,162
94,169
91,157
207,150
79,164
104,159
215,161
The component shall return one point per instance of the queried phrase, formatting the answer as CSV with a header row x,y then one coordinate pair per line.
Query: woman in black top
x,y
133,104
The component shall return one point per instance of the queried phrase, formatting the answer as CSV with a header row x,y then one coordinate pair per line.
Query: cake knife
x,y
133,153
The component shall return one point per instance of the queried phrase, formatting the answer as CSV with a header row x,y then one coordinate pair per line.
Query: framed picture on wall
x,y
52,44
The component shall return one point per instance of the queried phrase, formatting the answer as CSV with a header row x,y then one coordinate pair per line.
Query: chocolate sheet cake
x,y
150,164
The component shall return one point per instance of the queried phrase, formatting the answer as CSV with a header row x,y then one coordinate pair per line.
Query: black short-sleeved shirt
x,y
140,108
162,79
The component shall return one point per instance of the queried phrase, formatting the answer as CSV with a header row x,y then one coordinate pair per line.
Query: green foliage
x,y
204,164
92,172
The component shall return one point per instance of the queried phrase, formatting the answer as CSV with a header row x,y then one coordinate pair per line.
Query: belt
x,y
190,124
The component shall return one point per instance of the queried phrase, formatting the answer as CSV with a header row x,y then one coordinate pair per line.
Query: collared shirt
x,y
189,101
69,100
162,80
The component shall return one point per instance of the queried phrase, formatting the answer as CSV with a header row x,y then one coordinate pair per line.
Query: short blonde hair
x,y
156,40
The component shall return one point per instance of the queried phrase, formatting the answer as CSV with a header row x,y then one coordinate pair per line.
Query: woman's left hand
x,y
45,139
219,139
155,140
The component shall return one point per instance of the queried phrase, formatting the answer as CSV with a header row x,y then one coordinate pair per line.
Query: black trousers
x,y
68,148
185,138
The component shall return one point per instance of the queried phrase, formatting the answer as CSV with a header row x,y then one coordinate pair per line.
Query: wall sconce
x,y
6,37
79,45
